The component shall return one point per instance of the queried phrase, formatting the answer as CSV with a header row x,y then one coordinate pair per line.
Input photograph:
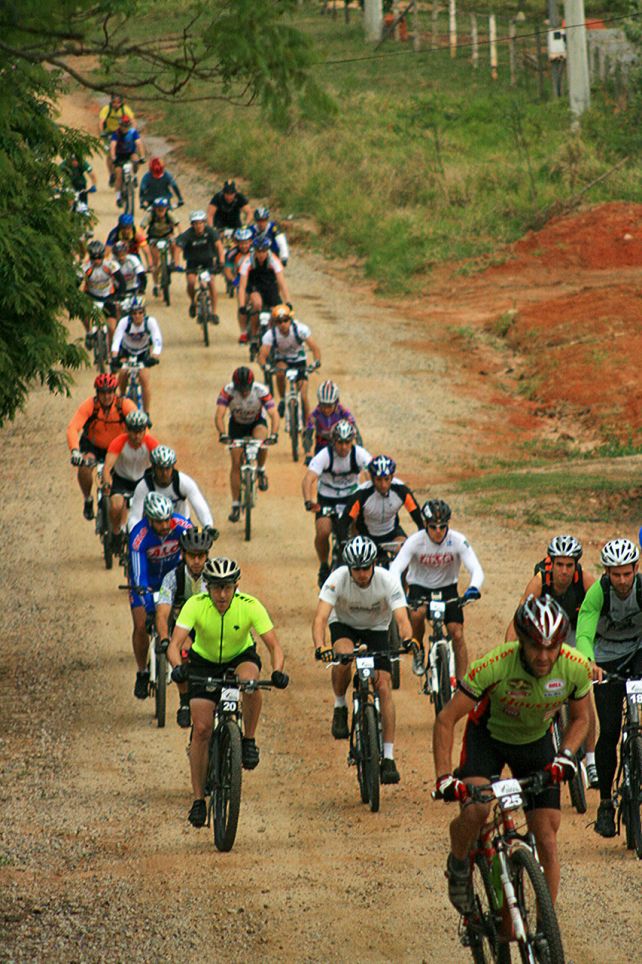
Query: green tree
x,y
237,50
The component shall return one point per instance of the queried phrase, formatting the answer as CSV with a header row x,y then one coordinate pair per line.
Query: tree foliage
x,y
238,50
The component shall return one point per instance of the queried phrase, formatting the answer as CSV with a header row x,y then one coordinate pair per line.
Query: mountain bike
x,y
133,365
294,423
103,517
512,900
337,537
366,740
163,246
204,312
100,340
576,786
249,471
224,768
258,323
158,668
627,796
128,187
439,660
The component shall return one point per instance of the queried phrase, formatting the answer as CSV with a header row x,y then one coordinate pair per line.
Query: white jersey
x,y
99,279
188,491
246,409
131,339
290,347
167,592
339,475
434,565
368,608
131,268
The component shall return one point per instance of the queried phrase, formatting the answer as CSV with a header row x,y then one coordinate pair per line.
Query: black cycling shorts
x,y
299,365
447,594
270,296
239,430
328,501
196,690
121,485
109,308
386,537
88,448
484,756
121,159
375,639
195,267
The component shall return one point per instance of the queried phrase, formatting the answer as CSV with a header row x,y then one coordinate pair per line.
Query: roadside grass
x,y
425,160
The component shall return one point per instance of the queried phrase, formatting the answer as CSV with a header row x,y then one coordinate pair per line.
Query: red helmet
x,y
106,382
125,120
156,167
242,378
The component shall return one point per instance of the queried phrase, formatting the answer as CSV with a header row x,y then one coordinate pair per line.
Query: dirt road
x,y
98,862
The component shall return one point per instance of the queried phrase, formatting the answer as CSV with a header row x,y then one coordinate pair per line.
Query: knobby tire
x,y
101,352
633,797
576,786
165,279
105,531
371,762
161,688
203,318
294,429
394,644
482,927
543,938
359,750
247,506
444,692
227,790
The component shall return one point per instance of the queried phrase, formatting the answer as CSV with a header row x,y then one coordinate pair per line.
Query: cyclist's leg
x,y
342,643
545,823
608,703
213,295
235,474
280,367
155,261
140,639
481,759
190,278
456,632
251,701
202,711
256,307
383,686
146,388
86,472
323,525
303,388
260,431
117,513
123,375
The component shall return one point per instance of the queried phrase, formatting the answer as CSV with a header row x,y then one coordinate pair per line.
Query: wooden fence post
x,y
512,44
474,36
492,38
452,26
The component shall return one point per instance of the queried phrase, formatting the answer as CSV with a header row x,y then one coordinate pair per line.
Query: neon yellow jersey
x,y
110,117
222,636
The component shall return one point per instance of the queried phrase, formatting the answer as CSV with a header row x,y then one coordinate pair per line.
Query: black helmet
x,y
436,511
95,250
191,540
242,378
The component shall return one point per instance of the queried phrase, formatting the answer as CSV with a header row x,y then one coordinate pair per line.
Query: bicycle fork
x,y
510,900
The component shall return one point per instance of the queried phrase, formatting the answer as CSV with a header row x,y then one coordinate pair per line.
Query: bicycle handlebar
x,y
484,793
426,600
246,686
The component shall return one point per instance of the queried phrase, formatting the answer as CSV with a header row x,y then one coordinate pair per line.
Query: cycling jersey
x,y
112,116
98,425
378,515
291,347
152,187
245,410
199,250
152,557
233,258
257,273
131,462
126,142
157,227
610,628
276,237
134,240
370,607
228,213
433,565
133,272
222,636
75,173
181,490
169,591
102,280
339,475
132,339
522,705
322,425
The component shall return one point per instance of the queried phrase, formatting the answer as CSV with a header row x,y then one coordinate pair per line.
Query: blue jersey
x,y
152,557
270,233
126,143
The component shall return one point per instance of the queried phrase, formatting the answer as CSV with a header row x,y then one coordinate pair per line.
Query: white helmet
x,y
567,546
222,571
359,553
343,431
163,457
158,507
328,393
197,216
619,552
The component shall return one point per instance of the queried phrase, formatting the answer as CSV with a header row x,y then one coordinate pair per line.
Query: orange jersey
x,y
100,427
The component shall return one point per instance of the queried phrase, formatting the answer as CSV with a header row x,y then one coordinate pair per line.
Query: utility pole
x,y
579,88
373,20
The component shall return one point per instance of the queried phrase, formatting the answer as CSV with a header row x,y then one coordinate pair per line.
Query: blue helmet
x,y
126,221
262,214
160,202
261,244
136,303
381,467
243,234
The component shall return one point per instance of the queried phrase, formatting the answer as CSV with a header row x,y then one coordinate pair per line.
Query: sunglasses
x,y
437,527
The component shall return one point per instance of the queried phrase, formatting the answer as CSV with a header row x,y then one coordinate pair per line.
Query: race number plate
x,y
509,794
205,277
437,608
365,662
634,690
231,694
292,374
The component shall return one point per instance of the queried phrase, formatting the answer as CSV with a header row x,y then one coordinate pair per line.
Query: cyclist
x,y
215,627
247,402
126,145
108,122
433,558
201,246
609,634
510,696
154,550
95,424
127,458
177,587
137,336
357,601
180,488
561,576
75,171
158,182
103,282
332,477
131,268
160,225
264,228
374,508
324,417
125,230
261,285
227,207
286,342
234,256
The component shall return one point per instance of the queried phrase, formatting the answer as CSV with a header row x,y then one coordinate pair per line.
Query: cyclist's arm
x,y
471,563
283,288
533,587
314,348
136,508
320,622
157,338
264,353
118,337
139,148
587,580
578,724
219,418
587,620
195,498
211,214
309,486
180,640
163,611
113,452
402,560
444,730
112,147
77,423
403,623
277,657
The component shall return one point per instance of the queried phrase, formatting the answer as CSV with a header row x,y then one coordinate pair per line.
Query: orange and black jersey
x,y
378,515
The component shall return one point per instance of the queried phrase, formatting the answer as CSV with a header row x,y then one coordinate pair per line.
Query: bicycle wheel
x,y
294,429
161,688
393,644
101,353
632,797
129,196
165,279
358,749
247,502
226,793
444,692
105,532
371,756
543,940
482,927
577,790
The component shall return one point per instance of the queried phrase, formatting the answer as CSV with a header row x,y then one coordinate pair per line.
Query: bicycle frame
x,y
334,513
249,470
128,193
439,643
134,388
631,728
